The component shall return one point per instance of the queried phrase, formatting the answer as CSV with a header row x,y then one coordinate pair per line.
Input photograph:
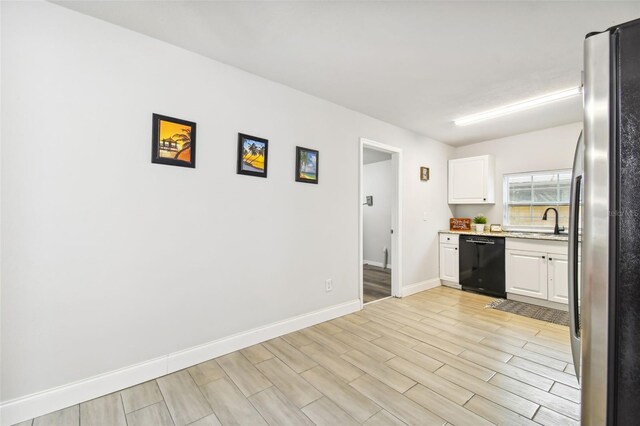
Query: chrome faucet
x,y
556,229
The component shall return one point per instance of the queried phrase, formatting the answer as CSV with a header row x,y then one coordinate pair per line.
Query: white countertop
x,y
507,234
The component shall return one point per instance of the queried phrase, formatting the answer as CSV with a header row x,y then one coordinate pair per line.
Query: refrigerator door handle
x,y
574,241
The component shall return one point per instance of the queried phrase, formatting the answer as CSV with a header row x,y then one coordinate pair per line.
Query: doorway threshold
x,y
377,300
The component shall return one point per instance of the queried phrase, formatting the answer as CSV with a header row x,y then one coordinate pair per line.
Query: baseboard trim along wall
x,y
421,286
28,407
374,263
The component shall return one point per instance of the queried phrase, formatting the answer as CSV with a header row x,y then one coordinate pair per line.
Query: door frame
x,y
396,216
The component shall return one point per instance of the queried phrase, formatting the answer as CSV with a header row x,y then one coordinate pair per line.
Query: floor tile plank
x,y
488,391
291,384
332,362
421,359
567,392
354,403
441,385
206,372
141,396
384,418
244,374
508,370
324,412
364,346
106,410
230,405
551,418
455,361
156,414
277,410
496,413
377,369
184,400
66,417
446,409
534,394
291,356
256,353
395,403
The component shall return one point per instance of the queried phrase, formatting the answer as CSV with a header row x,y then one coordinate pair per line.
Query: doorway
x,y
380,249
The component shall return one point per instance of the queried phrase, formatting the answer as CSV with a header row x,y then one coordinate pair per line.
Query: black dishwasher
x,y
482,264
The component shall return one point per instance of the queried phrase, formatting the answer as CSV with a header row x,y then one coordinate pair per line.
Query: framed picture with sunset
x,y
307,165
252,155
174,141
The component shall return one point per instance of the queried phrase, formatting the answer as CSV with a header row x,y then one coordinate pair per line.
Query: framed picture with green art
x,y
307,165
173,141
252,155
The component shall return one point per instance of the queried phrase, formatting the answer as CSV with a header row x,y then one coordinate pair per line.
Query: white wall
x,y
378,181
93,280
548,149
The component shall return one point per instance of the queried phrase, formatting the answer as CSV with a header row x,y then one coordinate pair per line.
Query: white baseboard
x,y
451,284
421,286
30,406
374,263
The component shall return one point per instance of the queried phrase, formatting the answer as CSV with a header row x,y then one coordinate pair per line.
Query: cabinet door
x,y
526,273
468,180
558,278
449,263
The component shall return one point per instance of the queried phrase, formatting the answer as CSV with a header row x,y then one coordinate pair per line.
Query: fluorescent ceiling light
x,y
519,106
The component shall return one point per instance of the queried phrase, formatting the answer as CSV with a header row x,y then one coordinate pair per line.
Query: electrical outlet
x,y
328,284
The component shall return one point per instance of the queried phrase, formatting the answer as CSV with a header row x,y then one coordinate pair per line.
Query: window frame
x,y
506,204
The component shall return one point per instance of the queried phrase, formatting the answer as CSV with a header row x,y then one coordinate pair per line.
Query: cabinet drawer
x,y
542,246
449,239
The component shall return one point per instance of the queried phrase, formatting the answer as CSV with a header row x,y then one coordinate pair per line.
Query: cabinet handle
x,y
484,199
550,259
543,257
456,248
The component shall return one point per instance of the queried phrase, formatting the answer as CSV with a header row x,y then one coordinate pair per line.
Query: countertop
x,y
508,234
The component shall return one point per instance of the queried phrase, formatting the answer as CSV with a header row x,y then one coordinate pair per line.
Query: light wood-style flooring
x,y
376,282
434,358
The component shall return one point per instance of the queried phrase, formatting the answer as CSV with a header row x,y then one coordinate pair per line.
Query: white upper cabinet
x,y
471,180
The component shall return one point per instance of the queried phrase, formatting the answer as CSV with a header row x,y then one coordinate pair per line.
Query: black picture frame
x,y
175,143
250,165
307,176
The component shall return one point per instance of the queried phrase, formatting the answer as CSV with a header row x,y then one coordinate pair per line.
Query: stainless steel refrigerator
x,y
604,235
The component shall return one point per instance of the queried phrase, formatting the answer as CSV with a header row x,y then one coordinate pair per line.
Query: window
x,y
528,195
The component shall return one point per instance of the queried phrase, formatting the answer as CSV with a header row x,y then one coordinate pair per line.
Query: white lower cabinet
x,y
449,258
449,263
558,277
537,269
526,273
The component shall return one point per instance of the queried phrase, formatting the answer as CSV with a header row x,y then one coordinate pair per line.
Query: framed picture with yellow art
x,y
174,141
307,165
252,155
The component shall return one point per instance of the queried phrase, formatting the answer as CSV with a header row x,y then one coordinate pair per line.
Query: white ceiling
x,y
418,65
